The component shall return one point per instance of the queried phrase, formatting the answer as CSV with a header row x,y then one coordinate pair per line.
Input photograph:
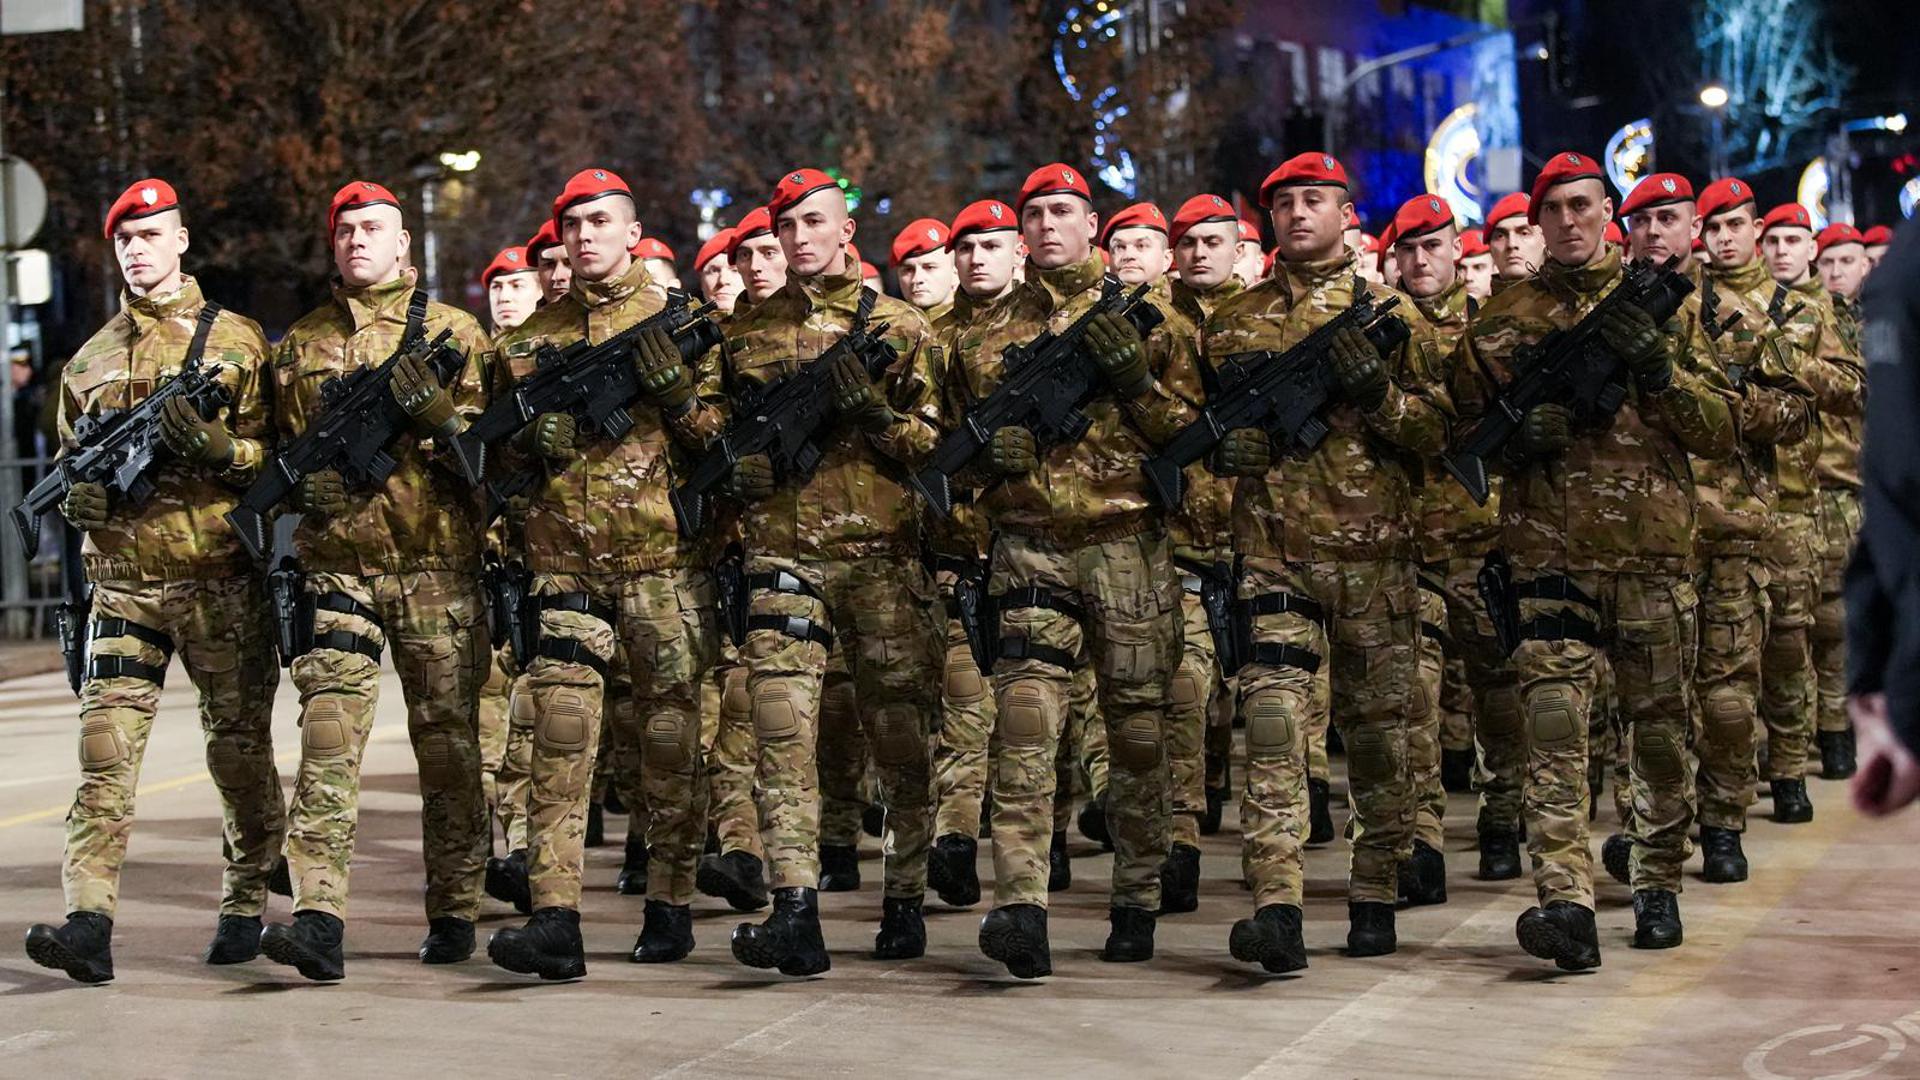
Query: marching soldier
x,y
512,286
1876,239
923,260
657,259
719,281
168,576
1843,262
548,257
756,256
1476,264
1518,248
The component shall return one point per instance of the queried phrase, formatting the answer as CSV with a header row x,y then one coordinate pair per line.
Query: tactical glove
x,y
554,436
663,375
85,507
1116,348
1630,333
421,396
193,438
1013,451
1243,452
1357,365
322,493
1545,432
857,398
752,478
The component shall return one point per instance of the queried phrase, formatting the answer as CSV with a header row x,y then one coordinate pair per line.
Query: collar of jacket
x,y
1811,288
1598,273
1066,282
372,303
1749,278
1447,305
144,311
828,292
1304,277
593,294
967,308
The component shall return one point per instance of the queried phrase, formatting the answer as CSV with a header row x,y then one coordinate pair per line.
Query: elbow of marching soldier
x,y
1701,418
245,463
1408,421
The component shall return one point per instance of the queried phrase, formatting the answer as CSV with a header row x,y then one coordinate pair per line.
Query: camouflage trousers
x,y
1733,631
1644,625
1363,662
1464,671
966,726
847,782
220,630
434,625
663,636
502,773
726,732
1839,526
1127,627
1789,680
881,611
1190,700
516,767
617,758
1081,765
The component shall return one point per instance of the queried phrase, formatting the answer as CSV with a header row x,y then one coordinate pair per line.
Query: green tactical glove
x,y
85,507
663,375
1545,432
857,398
1116,348
1630,333
322,493
192,437
421,396
1356,363
553,436
1013,451
752,478
1243,452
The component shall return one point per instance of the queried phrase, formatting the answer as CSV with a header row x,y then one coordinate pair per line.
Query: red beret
x,y
547,237
1876,235
588,185
1200,210
1513,205
511,260
715,247
868,270
1660,189
1419,216
853,251
1303,170
1699,244
1787,215
1836,234
758,222
1562,168
652,248
356,194
987,215
1054,179
1141,215
143,199
1723,195
1249,231
923,236
1266,263
797,185
1473,242
1612,234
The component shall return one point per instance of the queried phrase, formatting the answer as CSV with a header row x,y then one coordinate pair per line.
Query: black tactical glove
x,y
1116,348
1013,451
1545,432
193,438
663,375
1357,364
1243,452
322,493
85,507
421,396
1630,333
752,478
553,436
857,398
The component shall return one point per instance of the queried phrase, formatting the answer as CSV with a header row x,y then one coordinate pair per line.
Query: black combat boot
x,y
839,868
1093,822
549,946
951,871
1656,919
1790,803
1180,880
82,947
666,933
1216,797
236,940
507,881
449,940
1271,939
738,877
633,868
1370,929
1562,932
1456,770
1499,854
1423,876
1319,815
1836,754
903,931
596,826
789,939
1016,935
1059,865
1721,857
873,820
1130,935
1617,856
313,945
280,882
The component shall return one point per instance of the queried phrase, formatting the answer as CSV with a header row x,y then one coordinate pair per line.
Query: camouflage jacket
x,y
1093,490
1774,409
857,503
1351,498
1622,499
180,532
424,517
606,511
1199,306
1451,524
1839,464
1202,522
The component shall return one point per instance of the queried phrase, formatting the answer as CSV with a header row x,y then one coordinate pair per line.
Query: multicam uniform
x,y
1839,471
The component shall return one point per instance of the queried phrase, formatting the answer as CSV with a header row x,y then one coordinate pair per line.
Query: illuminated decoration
x,y
1909,195
854,195
1452,150
1083,27
710,201
1812,192
1630,156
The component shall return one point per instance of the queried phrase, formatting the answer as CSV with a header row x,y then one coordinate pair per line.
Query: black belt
x,y
343,604
780,581
794,627
1035,596
1553,587
347,642
580,603
113,627
1278,654
569,651
1562,627
1279,603
108,667
1023,648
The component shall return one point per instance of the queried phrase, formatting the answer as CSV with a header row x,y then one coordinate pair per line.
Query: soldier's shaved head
x,y
814,233
370,244
599,236
148,250
1059,229
1573,218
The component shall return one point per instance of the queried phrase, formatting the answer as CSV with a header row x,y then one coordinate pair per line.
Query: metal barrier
x,y
29,582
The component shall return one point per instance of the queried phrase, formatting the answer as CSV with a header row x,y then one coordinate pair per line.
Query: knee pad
x,y
964,686
837,700
1270,728
1024,709
1552,719
1136,742
521,710
1727,712
1658,758
898,738
669,742
776,716
735,703
103,744
563,720
1370,757
326,729
437,760
228,765
1185,691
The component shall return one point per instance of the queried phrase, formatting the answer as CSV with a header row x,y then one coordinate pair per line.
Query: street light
x,y
1713,96
460,160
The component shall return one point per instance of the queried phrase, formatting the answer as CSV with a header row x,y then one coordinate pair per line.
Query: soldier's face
x,y
599,236
663,272
720,283
986,262
1427,262
1730,237
1842,268
1251,263
1518,248
1573,218
1058,229
1661,232
1875,252
1478,272
762,264
555,273
1310,221
928,280
511,298
1789,252
1206,253
369,245
1139,255
814,233
149,249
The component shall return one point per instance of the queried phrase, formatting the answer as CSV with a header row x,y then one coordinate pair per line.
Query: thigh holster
x,y
1019,647
1272,653
343,640
793,626
567,650
1565,624
109,667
